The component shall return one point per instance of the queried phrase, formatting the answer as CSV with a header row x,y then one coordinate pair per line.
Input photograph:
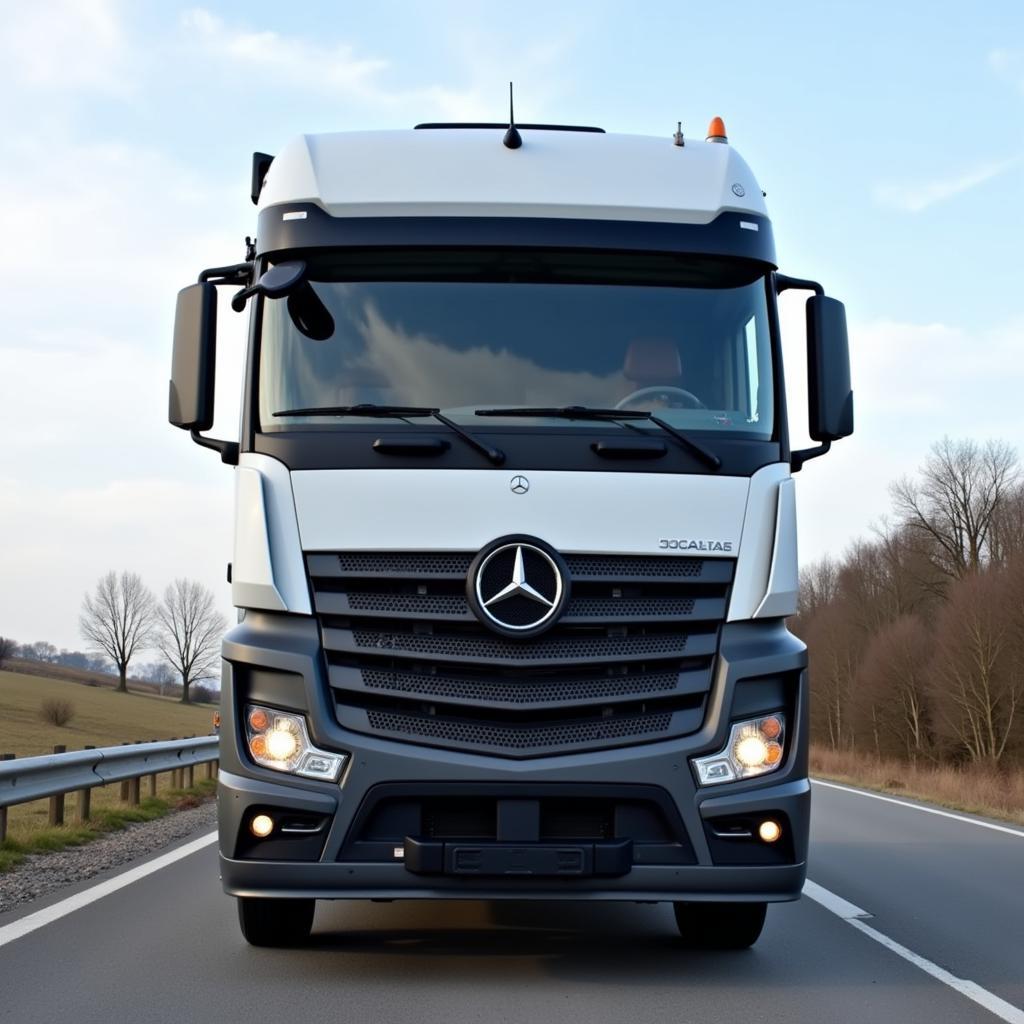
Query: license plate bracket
x,y
535,860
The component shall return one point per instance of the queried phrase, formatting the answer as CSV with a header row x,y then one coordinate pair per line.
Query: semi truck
x,y
515,528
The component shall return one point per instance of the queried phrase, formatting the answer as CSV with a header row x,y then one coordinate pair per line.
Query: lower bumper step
x,y
539,860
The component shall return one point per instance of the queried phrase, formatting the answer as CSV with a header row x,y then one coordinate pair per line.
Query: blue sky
x,y
889,138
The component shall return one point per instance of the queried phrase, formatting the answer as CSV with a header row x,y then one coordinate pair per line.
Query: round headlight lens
x,y
282,744
751,751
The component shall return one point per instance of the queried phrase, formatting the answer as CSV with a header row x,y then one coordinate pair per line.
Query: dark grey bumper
x,y
265,645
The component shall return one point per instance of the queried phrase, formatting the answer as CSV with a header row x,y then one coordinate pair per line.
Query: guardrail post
x,y
152,784
209,769
83,807
124,782
3,810
134,791
191,775
57,800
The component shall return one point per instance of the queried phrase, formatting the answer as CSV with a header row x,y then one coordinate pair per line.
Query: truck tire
x,y
267,922
720,925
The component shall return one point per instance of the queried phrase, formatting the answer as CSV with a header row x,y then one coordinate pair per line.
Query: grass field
x,y
993,794
29,838
103,717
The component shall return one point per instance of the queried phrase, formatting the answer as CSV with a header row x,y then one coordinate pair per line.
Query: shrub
x,y
56,711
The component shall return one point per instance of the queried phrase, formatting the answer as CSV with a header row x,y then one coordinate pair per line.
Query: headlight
x,y
278,740
755,747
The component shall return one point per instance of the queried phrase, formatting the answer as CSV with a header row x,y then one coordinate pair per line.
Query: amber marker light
x,y
770,728
261,826
716,131
258,719
769,831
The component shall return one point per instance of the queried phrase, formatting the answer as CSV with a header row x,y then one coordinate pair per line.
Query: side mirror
x,y
190,402
828,370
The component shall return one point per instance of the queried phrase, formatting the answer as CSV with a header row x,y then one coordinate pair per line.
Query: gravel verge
x,y
43,873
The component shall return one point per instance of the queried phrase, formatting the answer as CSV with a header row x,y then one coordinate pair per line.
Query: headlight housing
x,y
755,747
279,740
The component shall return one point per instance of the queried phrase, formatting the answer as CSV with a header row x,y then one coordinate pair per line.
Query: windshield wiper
x,y
493,455
582,412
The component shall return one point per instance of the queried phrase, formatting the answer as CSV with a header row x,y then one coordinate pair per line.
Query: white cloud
x,y
913,197
482,63
1009,66
125,226
67,45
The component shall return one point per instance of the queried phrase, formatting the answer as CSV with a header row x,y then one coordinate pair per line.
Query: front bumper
x,y
276,659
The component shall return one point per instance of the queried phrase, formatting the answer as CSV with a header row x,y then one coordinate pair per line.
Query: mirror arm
x,y
237,273
784,283
799,457
228,449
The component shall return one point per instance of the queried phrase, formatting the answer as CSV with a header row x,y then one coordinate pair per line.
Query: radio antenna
x,y
512,139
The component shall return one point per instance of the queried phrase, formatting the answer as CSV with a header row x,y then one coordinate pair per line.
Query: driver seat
x,y
653,361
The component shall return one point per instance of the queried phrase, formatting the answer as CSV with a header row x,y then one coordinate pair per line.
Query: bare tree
x,y
119,619
190,632
1007,539
892,688
952,508
977,686
7,647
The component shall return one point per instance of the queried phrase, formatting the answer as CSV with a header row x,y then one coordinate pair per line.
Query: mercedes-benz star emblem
x,y
519,484
517,586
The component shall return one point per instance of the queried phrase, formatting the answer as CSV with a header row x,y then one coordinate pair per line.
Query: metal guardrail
x,y
53,775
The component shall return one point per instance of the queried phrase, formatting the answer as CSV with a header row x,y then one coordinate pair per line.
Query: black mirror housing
x,y
830,394
190,401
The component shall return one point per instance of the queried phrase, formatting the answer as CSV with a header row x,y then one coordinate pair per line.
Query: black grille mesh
x,y
630,659
519,737
565,648
583,566
404,563
519,691
421,604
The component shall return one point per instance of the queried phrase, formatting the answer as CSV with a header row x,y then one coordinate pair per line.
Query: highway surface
x,y
944,942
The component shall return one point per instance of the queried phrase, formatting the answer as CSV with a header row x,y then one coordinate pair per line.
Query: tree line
x,y
916,635
122,618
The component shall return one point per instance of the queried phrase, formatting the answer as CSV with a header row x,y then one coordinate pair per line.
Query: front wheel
x,y
720,925
275,922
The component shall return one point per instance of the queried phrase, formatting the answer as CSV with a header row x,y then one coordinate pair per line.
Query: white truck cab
x,y
515,535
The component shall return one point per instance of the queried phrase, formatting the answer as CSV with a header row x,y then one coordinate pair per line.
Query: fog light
x,y
769,831
261,826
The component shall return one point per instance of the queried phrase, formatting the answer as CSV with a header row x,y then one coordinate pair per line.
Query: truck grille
x,y
630,660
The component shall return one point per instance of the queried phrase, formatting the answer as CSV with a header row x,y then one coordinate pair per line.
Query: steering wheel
x,y
665,392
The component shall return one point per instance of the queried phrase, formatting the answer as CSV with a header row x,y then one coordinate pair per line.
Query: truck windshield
x,y
685,338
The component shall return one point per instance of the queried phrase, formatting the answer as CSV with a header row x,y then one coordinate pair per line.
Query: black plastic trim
x,y
723,236
498,126
568,449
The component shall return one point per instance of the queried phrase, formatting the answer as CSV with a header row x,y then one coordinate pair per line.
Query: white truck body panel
x,y
468,172
281,515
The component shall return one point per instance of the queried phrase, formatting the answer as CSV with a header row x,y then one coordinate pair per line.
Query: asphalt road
x,y
167,948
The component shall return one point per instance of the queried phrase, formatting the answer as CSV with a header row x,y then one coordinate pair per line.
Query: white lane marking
x,y
54,912
828,899
927,810
853,915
